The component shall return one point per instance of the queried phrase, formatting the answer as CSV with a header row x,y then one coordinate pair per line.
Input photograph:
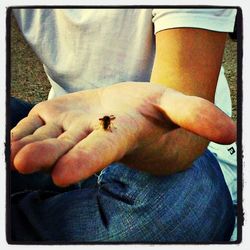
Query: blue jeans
x,y
124,205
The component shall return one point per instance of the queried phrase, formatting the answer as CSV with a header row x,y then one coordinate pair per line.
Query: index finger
x,y
99,149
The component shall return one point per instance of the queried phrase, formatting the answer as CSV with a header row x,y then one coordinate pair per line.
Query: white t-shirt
x,y
90,48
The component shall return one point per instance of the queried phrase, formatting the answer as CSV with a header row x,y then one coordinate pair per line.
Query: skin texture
x,y
73,148
156,129
188,60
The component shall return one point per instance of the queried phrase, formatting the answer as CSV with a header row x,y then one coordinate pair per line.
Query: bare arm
x,y
73,148
189,61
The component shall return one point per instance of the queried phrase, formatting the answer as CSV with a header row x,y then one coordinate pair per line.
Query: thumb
x,y
199,116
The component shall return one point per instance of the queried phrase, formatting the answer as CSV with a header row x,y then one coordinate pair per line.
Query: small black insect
x,y
106,123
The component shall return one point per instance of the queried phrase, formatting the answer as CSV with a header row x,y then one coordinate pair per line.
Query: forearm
x,y
187,60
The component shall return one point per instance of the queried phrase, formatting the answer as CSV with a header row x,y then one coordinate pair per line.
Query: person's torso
x,y
90,48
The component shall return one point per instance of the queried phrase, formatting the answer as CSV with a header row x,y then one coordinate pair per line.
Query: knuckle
x,y
37,107
40,109
67,138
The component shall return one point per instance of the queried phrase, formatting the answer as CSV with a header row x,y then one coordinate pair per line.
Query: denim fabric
x,y
124,205
18,110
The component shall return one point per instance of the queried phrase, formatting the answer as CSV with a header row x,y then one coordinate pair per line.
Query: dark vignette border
x,y
239,35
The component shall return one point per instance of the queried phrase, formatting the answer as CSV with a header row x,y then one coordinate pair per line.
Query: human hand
x,y
62,135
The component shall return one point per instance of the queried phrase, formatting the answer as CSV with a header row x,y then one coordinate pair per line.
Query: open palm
x,y
64,134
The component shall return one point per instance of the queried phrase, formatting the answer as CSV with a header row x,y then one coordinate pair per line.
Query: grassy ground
x,y
230,66
29,82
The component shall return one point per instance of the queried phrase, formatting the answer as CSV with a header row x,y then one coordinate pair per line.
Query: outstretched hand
x,y
64,135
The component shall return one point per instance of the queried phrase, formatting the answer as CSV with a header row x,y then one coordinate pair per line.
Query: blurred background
x,y
29,82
